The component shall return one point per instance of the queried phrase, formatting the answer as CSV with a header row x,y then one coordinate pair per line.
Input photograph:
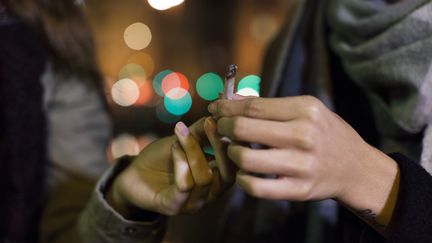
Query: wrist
x,y
119,202
115,198
371,188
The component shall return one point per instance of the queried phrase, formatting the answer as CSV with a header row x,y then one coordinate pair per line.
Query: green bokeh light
x,y
180,106
250,81
209,150
209,86
157,81
132,70
165,116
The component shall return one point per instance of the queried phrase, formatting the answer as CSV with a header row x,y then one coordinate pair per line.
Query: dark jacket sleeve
x,y
412,218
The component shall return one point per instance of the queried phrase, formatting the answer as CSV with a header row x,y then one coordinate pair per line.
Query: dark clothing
x,y
413,213
22,131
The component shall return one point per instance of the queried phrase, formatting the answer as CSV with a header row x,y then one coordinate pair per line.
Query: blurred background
x,y
164,60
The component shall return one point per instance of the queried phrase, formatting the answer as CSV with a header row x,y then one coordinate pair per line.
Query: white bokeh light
x,y
137,36
124,144
125,92
248,92
164,4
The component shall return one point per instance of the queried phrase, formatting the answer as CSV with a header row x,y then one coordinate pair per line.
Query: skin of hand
x,y
172,175
312,153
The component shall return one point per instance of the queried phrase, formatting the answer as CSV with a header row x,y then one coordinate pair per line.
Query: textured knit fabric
x,y
23,136
387,50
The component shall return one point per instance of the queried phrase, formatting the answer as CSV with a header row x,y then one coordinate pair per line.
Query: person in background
x,y
54,131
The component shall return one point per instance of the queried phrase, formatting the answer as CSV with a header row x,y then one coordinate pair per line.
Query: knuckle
x,y
244,160
172,211
306,137
252,108
239,128
305,192
312,108
221,108
205,179
186,186
255,189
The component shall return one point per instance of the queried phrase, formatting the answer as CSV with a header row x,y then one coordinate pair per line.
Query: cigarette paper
x,y
230,81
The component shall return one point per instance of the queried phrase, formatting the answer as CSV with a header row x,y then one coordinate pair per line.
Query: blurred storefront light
x,y
175,81
164,4
131,71
209,86
124,144
180,106
125,92
250,81
248,92
137,36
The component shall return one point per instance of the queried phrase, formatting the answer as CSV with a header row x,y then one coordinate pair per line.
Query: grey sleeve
x,y
101,223
78,134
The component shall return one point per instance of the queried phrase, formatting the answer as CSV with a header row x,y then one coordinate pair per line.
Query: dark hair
x,y
62,25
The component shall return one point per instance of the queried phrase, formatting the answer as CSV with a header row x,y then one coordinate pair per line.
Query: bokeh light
x,y
164,4
144,60
137,36
250,81
131,71
157,81
124,144
180,106
248,92
165,116
145,93
125,92
176,93
209,86
209,150
174,80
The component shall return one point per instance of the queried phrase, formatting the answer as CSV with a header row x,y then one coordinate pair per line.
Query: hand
x,y
313,152
172,175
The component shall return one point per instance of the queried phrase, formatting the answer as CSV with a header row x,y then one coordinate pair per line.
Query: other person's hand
x,y
172,175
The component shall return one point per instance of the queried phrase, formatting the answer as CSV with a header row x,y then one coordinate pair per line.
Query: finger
x,y
278,109
292,163
200,169
182,173
197,131
226,168
284,188
171,200
216,186
275,134
197,199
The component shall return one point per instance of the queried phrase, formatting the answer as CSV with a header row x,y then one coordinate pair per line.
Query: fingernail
x,y
238,97
182,129
212,108
226,140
